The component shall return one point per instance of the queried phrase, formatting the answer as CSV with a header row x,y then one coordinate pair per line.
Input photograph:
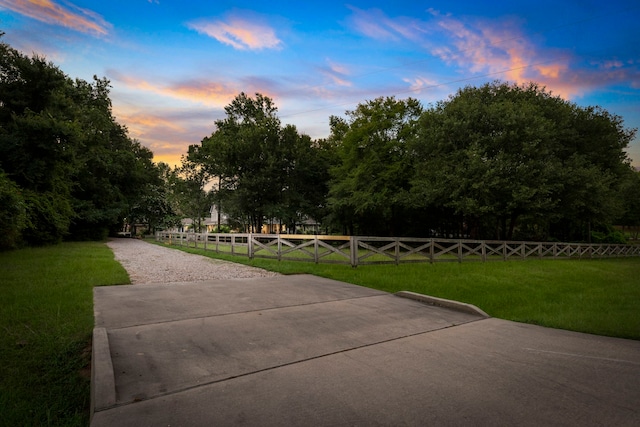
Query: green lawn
x,y
594,296
46,310
46,320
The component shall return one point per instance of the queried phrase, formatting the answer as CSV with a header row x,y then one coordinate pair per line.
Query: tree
x,y
630,193
304,178
263,170
369,186
77,171
502,155
38,141
194,201
13,218
114,172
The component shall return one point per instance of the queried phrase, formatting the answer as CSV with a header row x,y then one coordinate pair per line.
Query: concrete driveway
x,y
301,351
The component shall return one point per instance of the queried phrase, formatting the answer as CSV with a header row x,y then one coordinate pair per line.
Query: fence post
x,y
250,248
233,244
353,242
279,248
397,251
431,252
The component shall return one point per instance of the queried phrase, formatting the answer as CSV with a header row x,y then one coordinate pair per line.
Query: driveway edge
x,y
441,302
103,384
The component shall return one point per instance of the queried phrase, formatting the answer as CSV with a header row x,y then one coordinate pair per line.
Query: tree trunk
x,y
512,226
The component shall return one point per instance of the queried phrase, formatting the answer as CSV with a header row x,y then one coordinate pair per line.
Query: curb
x,y
441,302
103,384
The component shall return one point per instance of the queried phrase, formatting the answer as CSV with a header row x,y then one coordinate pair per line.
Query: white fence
x,y
359,250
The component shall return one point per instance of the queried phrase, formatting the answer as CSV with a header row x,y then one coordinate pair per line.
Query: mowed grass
x,y
46,320
46,310
600,296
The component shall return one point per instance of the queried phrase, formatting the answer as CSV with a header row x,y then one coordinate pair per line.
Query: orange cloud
x,y
202,91
480,47
140,120
486,47
240,33
69,16
167,133
206,92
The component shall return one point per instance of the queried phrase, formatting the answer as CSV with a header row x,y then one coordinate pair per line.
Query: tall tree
x,y
502,155
77,170
38,141
194,201
630,192
263,170
369,187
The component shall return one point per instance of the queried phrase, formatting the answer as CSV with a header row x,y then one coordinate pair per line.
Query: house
x,y
273,226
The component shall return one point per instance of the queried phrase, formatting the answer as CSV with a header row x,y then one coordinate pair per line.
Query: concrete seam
x,y
270,368
233,313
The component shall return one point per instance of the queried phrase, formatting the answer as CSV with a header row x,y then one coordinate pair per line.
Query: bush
x,y
13,218
609,236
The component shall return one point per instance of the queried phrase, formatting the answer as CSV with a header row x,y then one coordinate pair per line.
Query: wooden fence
x,y
359,250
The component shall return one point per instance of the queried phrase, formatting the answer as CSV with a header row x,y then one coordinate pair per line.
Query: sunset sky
x,y
175,64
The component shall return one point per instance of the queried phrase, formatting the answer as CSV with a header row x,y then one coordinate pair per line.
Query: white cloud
x,y
241,33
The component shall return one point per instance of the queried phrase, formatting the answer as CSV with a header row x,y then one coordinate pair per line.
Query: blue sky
x,y
175,64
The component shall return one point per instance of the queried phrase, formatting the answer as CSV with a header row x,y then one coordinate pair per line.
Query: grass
x,y
46,310
46,320
593,296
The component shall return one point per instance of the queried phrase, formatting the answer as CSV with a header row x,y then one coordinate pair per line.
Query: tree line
x,y
67,168
499,161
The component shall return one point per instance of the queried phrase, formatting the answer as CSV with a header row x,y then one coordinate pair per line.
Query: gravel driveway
x,y
149,263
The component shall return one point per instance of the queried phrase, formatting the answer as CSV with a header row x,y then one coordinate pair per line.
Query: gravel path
x,y
149,263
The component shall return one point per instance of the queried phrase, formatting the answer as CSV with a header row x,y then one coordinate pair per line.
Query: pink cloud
x,y
70,16
502,49
241,33
167,133
196,90
497,49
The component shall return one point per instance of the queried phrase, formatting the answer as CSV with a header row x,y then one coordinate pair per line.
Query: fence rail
x,y
360,250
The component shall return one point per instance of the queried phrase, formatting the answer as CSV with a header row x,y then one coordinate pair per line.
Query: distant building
x,y
273,226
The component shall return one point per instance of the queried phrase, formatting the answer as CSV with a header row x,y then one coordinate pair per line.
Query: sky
x,y
175,64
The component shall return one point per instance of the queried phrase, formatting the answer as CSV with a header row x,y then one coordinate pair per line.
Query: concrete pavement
x,y
301,350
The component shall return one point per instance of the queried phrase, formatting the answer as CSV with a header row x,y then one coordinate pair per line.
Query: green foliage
x,y
263,170
500,154
180,195
76,169
13,218
48,217
492,162
370,183
46,322
222,229
630,195
610,235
